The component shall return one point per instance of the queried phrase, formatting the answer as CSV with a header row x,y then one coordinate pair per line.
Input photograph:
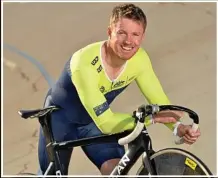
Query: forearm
x,y
169,118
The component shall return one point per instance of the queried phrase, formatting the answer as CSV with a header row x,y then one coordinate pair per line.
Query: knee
x,y
108,166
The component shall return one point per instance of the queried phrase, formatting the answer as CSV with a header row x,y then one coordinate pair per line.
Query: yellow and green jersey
x,y
87,88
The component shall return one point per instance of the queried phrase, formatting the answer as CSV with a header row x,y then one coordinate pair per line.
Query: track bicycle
x,y
168,161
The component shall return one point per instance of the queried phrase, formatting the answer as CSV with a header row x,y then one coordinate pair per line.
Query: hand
x,y
186,132
166,117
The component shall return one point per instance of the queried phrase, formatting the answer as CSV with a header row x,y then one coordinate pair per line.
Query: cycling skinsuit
x,y
84,91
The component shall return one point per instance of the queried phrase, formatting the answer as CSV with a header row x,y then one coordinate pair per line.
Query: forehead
x,y
128,24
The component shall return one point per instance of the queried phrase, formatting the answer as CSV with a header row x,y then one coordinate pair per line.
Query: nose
x,y
128,39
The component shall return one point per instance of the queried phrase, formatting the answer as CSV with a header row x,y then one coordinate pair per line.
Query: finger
x,y
198,132
175,114
189,138
193,133
171,120
165,120
187,141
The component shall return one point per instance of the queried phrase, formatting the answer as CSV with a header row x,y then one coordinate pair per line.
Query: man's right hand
x,y
186,132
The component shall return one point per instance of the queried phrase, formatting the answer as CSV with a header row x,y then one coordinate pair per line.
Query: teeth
x,y
127,48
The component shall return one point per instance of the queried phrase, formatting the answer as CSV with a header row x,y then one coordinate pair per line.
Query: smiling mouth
x,y
126,48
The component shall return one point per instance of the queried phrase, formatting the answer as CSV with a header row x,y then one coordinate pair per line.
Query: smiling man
x,y
93,77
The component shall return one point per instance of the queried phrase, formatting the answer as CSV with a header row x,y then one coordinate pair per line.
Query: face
x,y
125,37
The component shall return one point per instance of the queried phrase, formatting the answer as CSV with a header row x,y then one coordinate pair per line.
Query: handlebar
x,y
146,110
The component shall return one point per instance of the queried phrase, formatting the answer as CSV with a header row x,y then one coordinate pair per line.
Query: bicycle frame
x,y
142,144
138,139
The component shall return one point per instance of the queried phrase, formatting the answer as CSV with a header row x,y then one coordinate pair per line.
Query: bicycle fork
x,y
148,151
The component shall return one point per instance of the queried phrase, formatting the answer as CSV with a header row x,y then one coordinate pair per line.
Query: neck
x,y
111,58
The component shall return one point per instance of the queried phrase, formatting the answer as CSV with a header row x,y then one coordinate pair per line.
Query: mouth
x,y
126,48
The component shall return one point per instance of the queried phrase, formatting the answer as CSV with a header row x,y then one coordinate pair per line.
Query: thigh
x,y
99,153
62,131
62,128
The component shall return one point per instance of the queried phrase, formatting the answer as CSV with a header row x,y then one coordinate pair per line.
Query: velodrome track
x,y
180,39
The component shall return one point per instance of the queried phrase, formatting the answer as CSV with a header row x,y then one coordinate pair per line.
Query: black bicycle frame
x,y
142,144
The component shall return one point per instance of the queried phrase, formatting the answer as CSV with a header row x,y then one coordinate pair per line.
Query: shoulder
x,y
142,55
88,51
141,59
87,56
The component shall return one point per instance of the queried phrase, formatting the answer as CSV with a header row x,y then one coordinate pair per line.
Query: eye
x,y
121,32
136,34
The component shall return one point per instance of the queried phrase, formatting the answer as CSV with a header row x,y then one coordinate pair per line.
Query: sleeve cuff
x,y
176,128
149,120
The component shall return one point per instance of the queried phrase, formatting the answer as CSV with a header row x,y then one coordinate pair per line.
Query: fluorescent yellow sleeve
x,y
151,87
86,83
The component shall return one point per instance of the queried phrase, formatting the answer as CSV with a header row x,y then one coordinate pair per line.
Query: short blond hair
x,y
129,11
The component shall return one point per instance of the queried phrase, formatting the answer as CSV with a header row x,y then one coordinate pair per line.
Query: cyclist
x,y
92,78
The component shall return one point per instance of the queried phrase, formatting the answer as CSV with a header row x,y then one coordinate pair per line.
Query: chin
x,y
127,57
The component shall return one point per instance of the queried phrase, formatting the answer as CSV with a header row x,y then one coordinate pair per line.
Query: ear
x,y
109,32
143,36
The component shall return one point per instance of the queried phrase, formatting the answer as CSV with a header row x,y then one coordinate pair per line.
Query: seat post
x,y
53,155
45,122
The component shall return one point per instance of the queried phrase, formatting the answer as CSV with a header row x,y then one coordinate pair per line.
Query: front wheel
x,y
175,161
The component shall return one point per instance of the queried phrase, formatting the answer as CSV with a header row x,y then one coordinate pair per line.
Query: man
x,y
91,80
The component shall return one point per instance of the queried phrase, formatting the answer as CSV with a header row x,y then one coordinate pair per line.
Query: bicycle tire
x,y
175,161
